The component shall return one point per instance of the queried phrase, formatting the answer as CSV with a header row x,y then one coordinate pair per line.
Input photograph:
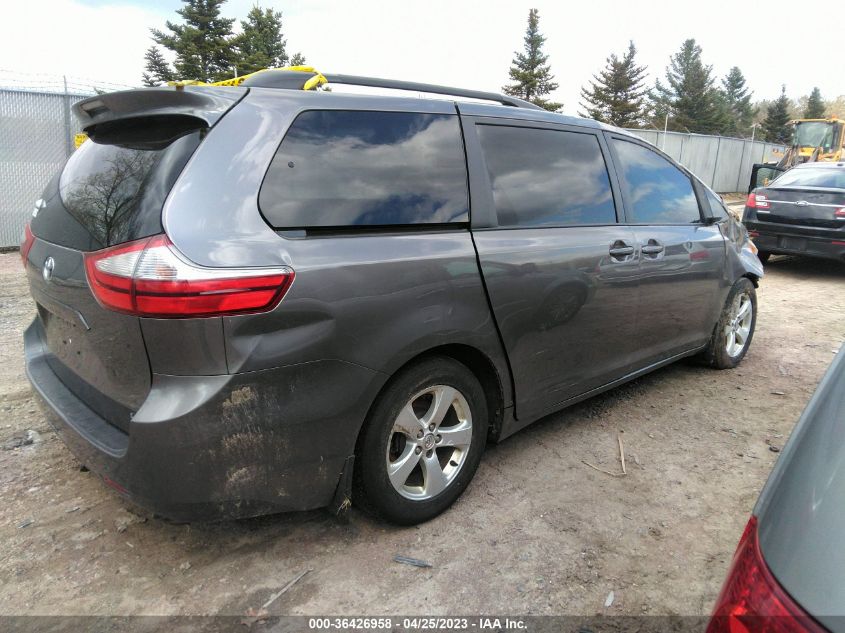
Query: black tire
x,y
373,488
763,256
717,355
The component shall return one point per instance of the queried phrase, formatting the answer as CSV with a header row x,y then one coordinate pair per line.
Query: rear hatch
x,y
111,191
811,207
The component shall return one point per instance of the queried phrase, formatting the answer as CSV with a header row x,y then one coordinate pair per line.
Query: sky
x,y
453,42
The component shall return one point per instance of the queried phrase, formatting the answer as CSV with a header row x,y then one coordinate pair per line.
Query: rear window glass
x,y
117,193
338,168
830,178
546,177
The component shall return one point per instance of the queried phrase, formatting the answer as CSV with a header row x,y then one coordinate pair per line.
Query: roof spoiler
x,y
206,104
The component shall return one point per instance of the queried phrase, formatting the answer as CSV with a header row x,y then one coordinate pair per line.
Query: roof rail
x,y
396,84
288,78
308,78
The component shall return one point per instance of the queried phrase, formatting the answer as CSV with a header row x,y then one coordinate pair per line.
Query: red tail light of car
x,y
757,201
150,278
26,245
839,213
752,600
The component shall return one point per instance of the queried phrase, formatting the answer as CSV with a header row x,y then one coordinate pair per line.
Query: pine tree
x,y
204,44
775,126
298,59
156,71
737,98
261,45
815,105
690,98
531,72
616,95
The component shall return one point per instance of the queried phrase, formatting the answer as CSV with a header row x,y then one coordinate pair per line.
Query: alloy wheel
x,y
429,442
738,328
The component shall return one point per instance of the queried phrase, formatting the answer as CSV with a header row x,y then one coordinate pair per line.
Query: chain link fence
x,y
37,130
36,137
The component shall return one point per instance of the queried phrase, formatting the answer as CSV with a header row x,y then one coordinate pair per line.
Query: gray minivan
x,y
260,298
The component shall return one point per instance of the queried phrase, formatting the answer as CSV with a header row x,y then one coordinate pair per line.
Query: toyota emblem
x,y
47,271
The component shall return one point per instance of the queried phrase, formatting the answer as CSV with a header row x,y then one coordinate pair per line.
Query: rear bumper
x,y
795,240
216,447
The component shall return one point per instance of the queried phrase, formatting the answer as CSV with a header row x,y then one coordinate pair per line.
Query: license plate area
x,y
792,243
61,335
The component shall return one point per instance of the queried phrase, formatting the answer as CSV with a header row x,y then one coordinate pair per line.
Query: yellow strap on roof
x,y
317,80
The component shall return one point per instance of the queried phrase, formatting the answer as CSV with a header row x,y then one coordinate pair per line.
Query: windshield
x,y
815,134
812,177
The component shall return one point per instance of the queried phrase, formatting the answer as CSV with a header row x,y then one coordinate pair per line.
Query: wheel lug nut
x,y
431,426
418,450
419,435
439,438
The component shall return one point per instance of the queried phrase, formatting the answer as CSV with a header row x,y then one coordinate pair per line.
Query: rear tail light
x,y
839,213
752,601
757,201
26,245
150,278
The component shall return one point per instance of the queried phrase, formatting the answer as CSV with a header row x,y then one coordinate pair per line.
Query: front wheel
x,y
422,442
735,329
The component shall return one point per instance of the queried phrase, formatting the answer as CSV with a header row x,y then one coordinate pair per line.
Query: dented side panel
x,y
425,290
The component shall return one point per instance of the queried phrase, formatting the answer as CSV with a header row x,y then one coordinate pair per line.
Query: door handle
x,y
620,250
652,248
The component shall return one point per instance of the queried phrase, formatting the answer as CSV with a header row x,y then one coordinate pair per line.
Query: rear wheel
x,y
422,443
735,329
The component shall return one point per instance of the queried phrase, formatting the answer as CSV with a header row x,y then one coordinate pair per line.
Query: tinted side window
x,y
657,191
546,177
339,168
717,207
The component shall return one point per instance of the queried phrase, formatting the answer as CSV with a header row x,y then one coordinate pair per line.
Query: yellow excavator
x,y
812,140
815,140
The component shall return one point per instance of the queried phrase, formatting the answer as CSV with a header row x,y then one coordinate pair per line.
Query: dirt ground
x,y
538,531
